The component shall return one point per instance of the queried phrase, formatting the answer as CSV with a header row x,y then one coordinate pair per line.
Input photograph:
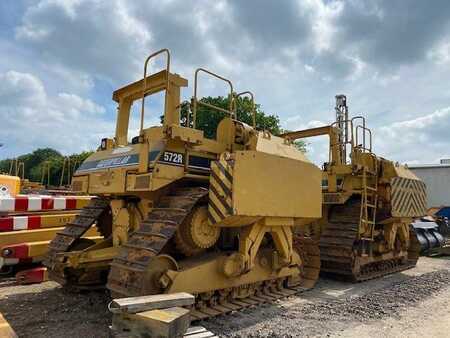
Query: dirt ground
x,y
414,303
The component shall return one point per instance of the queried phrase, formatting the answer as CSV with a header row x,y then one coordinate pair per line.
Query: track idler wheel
x,y
157,267
196,234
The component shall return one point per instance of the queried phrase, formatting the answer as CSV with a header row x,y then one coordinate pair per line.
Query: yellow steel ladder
x,y
369,198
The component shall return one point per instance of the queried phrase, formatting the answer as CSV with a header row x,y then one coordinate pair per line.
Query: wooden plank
x,y
206,334
199,332
6,330
195,329
145,303
171,322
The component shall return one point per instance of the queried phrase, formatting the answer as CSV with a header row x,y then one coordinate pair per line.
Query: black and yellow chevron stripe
x,y
220,191
408,197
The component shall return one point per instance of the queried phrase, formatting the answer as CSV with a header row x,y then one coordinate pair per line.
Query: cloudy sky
x,y
61,60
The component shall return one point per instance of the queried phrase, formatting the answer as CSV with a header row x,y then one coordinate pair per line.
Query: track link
x,y
339,248
127,276
68,237
222,302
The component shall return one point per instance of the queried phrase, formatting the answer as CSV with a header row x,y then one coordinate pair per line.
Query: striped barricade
x,y
27,203
31,246
39,221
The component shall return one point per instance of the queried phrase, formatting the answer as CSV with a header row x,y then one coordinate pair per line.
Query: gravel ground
x,y
319,313
46,310
333,308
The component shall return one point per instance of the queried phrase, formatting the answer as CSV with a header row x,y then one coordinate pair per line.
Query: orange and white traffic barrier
x,y
32,276
21,203
29,222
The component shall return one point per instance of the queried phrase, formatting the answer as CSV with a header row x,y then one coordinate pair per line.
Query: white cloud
x,y
97,38
31,118
19,88
441,53
424,139
391,61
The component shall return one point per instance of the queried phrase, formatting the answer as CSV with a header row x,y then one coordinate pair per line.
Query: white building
x,y
437,179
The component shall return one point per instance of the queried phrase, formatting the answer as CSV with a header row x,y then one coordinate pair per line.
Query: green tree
x,y
207,119
38,160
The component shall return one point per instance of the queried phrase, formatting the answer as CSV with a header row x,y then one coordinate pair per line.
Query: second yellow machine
x,y
183,212
369,203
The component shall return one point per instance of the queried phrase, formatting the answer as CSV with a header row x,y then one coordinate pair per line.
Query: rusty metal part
x,y
309,251
128,274
70,239
340,249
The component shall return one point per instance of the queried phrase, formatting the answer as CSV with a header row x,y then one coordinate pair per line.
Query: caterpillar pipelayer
x,y
181,212
368,203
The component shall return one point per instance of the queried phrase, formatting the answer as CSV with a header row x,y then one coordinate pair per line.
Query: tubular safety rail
x,y
354,134
252,97
362,130
198,102
144,83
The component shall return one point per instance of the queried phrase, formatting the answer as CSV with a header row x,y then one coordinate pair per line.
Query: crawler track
x,y
129,271
127,276
339,248
225,301
69,238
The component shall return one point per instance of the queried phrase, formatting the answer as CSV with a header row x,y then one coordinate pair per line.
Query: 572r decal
x,y
172,157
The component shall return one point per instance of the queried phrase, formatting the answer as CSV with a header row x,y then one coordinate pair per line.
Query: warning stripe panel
x,y
42,202
15,223
29,251
220,191
408,197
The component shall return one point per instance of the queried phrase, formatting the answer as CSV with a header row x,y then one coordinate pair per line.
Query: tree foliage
x,y
40,159
208,119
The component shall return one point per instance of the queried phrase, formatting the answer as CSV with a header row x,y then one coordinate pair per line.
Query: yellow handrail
x,y
194,109
236,96
144,83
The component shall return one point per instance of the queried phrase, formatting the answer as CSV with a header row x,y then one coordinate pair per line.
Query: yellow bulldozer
x,y
368,203
236,219
182,212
